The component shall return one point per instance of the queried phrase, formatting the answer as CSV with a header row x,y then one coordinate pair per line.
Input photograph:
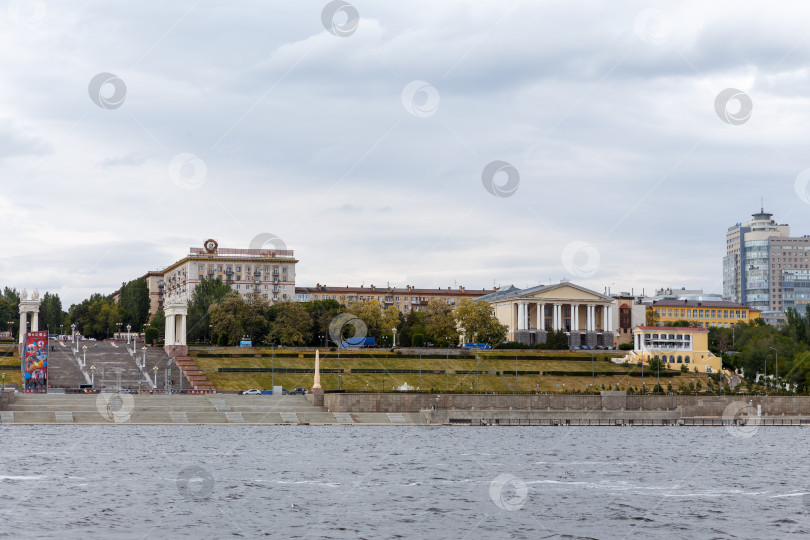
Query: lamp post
x,y
11,330
118,324
84,353
93,376
73,335
155,369
144,355
3,387
129,328
776,354
394,330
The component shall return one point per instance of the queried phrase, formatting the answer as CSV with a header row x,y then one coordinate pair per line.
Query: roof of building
x,y
701,303
672,328
409,289
513,292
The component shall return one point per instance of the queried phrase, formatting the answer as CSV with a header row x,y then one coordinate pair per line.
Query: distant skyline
x,y
611,144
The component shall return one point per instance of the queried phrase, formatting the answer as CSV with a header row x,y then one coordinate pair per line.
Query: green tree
x,y
50,311
440,323
321,312
370,312
205,294
651,318
134,303
478,322
224,316
290,324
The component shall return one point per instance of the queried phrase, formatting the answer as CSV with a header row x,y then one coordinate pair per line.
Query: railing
x,y
287,253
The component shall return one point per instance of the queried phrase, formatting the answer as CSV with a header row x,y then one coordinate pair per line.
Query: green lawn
x,y
499,374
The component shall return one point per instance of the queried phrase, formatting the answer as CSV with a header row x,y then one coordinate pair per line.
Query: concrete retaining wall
x,y
687,406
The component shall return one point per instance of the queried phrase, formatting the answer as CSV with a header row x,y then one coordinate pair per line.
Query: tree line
x,y
219,315
95,317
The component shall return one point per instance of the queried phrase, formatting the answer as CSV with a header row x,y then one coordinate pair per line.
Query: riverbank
x,y
608,409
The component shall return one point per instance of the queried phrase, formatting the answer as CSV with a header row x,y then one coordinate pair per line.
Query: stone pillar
x,y
170,330
541,316
175,342
604,319
574,317
35,321
609,318
182,337
23,326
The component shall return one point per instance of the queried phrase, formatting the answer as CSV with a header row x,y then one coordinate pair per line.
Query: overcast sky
x,y
364,144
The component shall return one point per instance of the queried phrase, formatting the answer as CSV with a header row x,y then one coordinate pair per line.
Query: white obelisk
x,y
317,382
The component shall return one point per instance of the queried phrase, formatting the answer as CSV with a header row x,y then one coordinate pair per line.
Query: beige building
x,y
269,273
585,315
675,347
405,299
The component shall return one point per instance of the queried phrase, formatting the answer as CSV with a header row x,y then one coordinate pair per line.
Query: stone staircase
x,y
192,373
116,367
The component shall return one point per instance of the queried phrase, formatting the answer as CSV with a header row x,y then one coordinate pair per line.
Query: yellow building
x,y
705,313
405,299
676,347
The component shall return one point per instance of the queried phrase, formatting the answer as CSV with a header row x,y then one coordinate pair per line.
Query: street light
x,y
394,330
93,376
73,335
84,352
155,369
129,328
144,355
11,329
118,324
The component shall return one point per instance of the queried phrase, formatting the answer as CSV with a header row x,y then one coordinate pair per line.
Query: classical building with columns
x,y
585,315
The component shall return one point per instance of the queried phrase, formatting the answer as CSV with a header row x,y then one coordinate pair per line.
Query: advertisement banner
x,y
35,362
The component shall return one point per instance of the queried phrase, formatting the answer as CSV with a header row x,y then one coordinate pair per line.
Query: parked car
x,y
575,348
251,392
586,347
600,348
298,392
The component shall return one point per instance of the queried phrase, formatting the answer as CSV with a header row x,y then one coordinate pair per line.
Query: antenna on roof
x,y
762,204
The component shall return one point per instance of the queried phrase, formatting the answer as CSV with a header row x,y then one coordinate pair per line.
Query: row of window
x,y
228,268
672,359
701,313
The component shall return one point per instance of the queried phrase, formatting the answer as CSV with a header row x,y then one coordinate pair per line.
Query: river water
x,y
403,482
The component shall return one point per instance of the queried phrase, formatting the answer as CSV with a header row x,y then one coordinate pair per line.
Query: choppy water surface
x,y
394,482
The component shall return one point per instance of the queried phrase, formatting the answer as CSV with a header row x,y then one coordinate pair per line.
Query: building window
x,y
672,359
680,359
686,360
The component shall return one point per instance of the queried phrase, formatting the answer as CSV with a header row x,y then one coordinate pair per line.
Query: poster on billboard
x,y
35,362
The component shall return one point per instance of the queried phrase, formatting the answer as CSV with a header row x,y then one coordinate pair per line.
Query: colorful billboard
x,y
35,362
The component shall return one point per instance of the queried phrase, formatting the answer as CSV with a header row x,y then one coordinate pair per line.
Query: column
x,y
574,317
604,319
557,316
541,316
589,324
170,329
525,315
35,321
182,340
520,315
610,318
23,326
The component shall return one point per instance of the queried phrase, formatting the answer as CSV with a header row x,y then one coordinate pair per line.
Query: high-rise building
x,y
765,268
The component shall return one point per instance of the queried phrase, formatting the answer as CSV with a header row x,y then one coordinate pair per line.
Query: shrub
x,y
626,347
151,334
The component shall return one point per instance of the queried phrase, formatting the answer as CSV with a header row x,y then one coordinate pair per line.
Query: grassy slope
x,y
457,382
